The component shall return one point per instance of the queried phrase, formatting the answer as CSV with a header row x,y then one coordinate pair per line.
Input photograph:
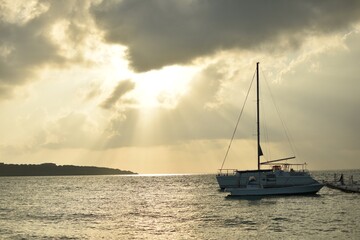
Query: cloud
x,y
70,130
328,94
23,49
319,103
120,90
92,91
35,34
159,33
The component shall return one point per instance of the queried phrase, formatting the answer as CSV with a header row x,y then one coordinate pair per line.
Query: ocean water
x,y
168,207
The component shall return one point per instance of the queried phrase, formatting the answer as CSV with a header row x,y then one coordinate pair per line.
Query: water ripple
x,y
169,207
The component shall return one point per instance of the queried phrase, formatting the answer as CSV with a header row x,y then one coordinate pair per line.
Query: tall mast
x,y
259,152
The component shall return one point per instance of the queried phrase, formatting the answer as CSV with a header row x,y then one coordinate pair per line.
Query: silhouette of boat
x,y
280,179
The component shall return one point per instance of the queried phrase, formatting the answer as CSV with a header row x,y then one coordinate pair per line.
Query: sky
x,y
156,86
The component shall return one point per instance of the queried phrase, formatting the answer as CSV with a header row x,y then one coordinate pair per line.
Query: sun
x,y
161,88
164,87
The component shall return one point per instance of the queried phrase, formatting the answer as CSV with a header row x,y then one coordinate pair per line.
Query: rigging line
x,y
281,120
265,127
238,120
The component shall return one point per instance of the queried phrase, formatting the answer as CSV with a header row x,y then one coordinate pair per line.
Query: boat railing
x,y
227,172
294,167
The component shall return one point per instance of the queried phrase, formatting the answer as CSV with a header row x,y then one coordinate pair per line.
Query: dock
x,y
350,188
346,186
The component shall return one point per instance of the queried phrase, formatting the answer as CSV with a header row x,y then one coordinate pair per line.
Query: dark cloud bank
x,y
164,32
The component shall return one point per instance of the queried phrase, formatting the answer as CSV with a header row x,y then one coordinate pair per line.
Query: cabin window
x,y
276,168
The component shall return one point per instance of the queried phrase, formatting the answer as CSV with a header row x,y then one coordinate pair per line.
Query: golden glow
x,y
157,88
162,88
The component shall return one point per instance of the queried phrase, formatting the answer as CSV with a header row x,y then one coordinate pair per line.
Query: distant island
x,y
51,169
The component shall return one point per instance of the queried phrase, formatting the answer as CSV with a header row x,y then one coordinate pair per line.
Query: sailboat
x,y
279,179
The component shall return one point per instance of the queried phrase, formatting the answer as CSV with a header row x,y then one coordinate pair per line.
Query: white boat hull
x,y
278,179
232,181
260,191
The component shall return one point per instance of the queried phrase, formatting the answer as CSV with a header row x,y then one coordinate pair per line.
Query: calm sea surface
x,y
168,207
